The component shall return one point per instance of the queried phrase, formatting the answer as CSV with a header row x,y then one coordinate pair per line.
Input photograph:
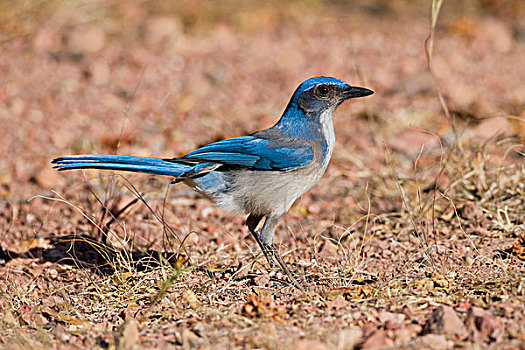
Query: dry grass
x,y
409,216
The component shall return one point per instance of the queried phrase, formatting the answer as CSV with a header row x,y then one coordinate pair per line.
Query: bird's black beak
x,y
354,92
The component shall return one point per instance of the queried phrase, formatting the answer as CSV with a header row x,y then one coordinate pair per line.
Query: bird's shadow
x,y
84,251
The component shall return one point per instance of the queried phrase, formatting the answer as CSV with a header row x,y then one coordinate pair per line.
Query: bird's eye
x,y
323,91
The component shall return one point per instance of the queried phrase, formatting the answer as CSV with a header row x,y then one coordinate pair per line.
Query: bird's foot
x,y
295,281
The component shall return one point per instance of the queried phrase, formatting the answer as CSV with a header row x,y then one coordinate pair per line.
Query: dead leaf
x,y
190,299
61,318
40,242
122,277
263,306
518,248
351,293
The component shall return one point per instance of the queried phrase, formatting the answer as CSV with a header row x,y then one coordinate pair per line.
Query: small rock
x,y
49,178
496,33
61,138
128,335
444,320
403,335
18,106
483,326
99,72
462,95
518,125
349,338
163,29
36,116
306,344
435,341
46,40
391,320
379,339
491,127
190,340
328,249
337,304
10,319
86,39
200,329
471,211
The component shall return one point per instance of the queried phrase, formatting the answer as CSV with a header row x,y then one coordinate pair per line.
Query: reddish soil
x,y
415,237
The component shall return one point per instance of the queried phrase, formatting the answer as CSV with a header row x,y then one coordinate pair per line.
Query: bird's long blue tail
x,y
124,163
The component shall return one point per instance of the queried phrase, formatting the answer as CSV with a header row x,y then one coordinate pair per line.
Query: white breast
x,y
327,121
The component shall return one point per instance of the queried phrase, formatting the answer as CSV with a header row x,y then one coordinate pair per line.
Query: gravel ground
x,y
415,237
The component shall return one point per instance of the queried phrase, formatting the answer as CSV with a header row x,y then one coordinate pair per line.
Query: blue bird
x,y
261,174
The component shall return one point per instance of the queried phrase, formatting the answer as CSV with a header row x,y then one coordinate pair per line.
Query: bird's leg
x,y
252,222
266,238
268,249
284,267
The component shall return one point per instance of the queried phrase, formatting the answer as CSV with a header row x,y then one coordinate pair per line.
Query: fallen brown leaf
x,y
61,318
263,306
518,248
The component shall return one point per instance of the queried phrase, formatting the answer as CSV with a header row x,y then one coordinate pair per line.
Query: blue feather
x,y
128,163
254,152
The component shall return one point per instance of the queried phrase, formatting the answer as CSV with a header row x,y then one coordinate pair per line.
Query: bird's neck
x,y
296,123
318,128
311,126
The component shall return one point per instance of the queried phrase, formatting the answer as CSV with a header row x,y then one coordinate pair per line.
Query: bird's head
x,y
315,101
318,94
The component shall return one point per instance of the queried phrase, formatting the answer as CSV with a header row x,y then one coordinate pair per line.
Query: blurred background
x,y
163,77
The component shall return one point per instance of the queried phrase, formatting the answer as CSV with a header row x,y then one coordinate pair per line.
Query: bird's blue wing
x,y
253,152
